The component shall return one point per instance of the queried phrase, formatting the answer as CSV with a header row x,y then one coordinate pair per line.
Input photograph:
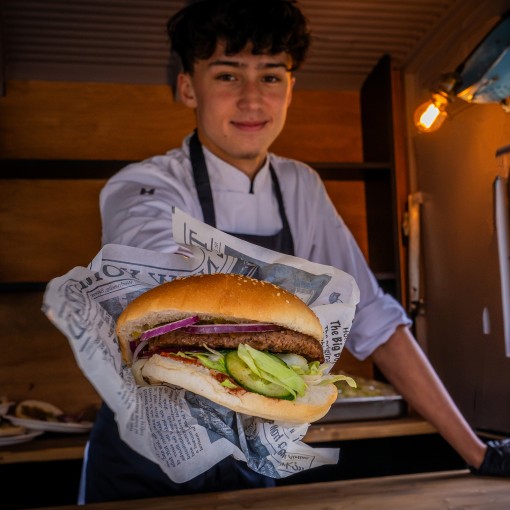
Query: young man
x,y
238,58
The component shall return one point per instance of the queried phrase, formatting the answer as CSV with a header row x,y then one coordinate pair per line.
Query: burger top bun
x,y
228,296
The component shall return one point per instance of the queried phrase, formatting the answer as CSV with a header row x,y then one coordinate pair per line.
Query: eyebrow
x,y
233,63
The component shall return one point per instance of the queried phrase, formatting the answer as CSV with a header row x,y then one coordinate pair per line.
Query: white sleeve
x,y
136,207
331,242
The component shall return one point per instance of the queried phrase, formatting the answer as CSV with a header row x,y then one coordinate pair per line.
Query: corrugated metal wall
x,y
125,40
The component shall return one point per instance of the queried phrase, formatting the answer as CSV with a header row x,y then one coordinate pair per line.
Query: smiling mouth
x,y
250,126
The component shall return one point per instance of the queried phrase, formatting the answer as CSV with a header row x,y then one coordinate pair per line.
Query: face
x,y
240,103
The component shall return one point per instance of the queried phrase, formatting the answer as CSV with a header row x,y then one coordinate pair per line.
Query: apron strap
x,y
202,182
288,240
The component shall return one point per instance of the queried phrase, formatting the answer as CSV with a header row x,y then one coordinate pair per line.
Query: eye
x,y
225,77
271,78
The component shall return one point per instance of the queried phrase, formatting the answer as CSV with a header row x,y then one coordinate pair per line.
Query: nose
x,y
250,95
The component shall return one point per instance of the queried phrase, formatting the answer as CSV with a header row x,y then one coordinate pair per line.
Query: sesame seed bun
x,y
230,297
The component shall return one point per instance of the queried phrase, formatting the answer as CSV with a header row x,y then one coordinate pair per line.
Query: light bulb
x,y
430,115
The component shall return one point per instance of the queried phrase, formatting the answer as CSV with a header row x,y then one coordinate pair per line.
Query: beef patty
x,y
283,341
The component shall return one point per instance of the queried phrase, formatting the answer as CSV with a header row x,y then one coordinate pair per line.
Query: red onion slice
x,y
230,328
166,328
138,349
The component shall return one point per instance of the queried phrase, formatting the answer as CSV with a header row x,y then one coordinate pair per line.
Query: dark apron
x,y
114,471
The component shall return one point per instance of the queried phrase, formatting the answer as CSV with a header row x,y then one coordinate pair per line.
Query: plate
x,y
20,438
52,426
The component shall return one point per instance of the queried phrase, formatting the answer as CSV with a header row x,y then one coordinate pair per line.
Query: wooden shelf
x,y
406,426
344,171
54,447
48,447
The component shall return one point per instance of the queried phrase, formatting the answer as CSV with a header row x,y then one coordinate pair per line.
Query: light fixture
x,y
431,114
483,77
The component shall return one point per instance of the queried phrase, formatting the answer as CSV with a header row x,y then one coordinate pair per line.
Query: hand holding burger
x,y
243,343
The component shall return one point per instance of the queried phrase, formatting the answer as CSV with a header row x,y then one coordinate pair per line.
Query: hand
x,y
497,459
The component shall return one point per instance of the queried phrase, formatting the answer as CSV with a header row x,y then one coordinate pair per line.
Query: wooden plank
x,y
349,200
322,126
59,220
37,361
440,491
45,448
47,227
49,448
406,426
73,120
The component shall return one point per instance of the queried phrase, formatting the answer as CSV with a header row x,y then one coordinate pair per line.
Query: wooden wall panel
x,y
47,227
37,361
322,126
64,120
50,226
349,200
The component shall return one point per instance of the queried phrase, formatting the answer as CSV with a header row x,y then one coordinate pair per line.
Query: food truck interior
x,y
87,89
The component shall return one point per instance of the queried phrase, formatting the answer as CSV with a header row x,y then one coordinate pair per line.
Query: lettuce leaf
x,y
271,368
214,360
290,371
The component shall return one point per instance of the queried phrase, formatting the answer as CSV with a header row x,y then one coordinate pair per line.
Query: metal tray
x,y
365,408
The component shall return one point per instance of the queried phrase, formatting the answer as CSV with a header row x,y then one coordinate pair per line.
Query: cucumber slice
x,y
240,372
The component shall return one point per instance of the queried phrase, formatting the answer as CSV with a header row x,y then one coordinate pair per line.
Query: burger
x,y
27,410
38,410
243,343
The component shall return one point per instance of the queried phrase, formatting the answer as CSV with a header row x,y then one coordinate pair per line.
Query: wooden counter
x,y
430,491
49,447
368,429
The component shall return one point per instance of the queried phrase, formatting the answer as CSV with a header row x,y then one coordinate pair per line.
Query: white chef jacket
x,y
136,210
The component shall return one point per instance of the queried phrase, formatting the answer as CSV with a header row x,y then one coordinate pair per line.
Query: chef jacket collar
x,y
226,177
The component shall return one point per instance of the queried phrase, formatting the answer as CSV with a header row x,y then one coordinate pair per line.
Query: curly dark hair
x,y
270,26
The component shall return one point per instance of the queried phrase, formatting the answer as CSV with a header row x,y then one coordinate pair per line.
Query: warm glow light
x,y
430,115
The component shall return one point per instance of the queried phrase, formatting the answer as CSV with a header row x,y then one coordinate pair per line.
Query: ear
x,y
292,83
186,90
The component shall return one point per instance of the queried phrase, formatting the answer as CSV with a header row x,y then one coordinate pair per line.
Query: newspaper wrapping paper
x,y
182,432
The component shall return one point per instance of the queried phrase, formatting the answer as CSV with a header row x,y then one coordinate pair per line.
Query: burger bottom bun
x,y
198,379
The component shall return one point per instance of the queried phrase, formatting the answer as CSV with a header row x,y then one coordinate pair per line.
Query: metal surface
x,y
485,76
502,232
125,40
368,408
